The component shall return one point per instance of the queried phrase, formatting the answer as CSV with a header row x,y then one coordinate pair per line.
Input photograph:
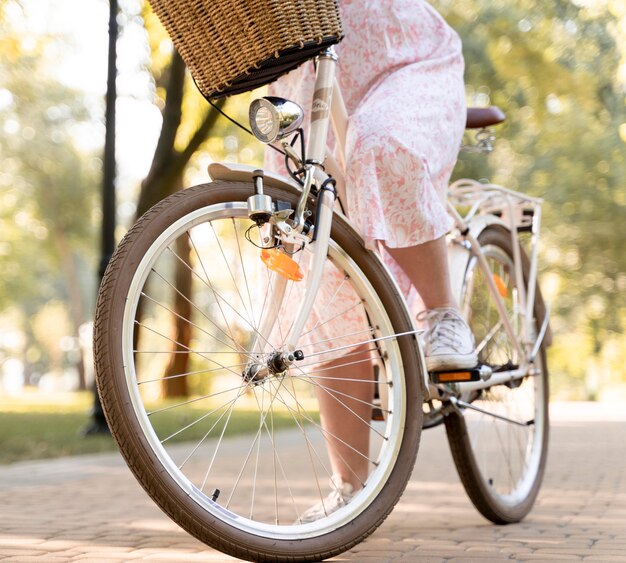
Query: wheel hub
x,y
275,365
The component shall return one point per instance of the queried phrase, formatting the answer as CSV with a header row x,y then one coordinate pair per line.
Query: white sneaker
x,y
449,343
341,495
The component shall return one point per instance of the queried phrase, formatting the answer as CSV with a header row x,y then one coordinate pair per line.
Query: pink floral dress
x,y
401,75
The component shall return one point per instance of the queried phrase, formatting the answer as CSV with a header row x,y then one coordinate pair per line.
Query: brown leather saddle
x,y
478,118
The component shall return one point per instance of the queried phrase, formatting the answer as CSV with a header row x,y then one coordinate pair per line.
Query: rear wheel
x,y
500,449
243,454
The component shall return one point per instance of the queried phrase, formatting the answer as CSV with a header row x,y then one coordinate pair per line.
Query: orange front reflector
x,y
454,376
282,264
502,289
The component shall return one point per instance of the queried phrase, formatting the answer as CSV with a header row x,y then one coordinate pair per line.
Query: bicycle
x,y
267,265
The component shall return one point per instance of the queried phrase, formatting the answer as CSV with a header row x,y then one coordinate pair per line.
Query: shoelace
x,y
441,334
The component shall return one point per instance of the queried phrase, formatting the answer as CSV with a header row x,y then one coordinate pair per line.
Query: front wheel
x,y
500,448
227,437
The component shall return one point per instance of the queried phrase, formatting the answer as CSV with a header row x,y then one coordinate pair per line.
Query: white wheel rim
x,y
509,480
396,395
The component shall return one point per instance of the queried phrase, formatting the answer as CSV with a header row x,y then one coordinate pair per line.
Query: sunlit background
x,y
557,67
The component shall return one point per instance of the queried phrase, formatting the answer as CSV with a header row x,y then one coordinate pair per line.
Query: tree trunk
x,y
174,382
163,179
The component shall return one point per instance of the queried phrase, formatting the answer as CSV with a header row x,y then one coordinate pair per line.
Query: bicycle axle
x,y
276,365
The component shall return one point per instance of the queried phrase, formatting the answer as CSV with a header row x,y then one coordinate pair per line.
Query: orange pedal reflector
x,y
502,288
282,264
454,376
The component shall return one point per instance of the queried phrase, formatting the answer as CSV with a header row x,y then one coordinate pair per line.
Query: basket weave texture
x,y
232,46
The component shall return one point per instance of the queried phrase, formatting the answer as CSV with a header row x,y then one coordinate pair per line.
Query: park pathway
x,y
90,508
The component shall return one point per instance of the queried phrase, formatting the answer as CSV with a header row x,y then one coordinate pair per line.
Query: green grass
x,y
37,427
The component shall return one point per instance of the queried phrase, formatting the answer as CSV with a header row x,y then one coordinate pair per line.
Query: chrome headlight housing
x,y
273,118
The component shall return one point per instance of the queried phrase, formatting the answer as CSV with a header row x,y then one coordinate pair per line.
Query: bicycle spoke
x,y
189,373
194,325
244,438
243,269
232,277
337,316
369,330
351,397
379,339
219,299
326,307
208,284
308,418
237,347
333,367
310,448
245,462
276,456
202,440
219,442
325,434
487,338
332,392
258,453
188,402
195,421
187,349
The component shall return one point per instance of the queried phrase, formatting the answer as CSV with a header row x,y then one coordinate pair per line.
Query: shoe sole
x,y
447,363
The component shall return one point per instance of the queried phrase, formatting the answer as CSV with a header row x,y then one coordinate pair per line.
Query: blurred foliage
x,y
226,142
558,68
47,206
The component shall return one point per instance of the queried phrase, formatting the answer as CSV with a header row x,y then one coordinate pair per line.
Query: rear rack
x,y
471,198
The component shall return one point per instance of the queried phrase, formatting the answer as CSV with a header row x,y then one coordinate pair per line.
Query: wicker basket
x,y
232,46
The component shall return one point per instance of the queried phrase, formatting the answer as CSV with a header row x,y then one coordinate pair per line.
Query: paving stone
x,y
607,558
31,559
489,556
26,552
416,558
63,510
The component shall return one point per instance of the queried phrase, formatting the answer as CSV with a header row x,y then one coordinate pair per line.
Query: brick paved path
x,y
90,508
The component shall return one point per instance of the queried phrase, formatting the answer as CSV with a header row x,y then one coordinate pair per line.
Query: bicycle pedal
x,y
455,376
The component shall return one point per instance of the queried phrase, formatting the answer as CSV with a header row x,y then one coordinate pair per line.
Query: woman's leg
x,y
345,400
449,344
426,265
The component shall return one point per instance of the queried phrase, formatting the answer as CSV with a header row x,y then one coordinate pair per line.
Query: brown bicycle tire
x,y
129,435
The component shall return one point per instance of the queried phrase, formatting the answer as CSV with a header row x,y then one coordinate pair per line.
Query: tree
x,y
48,188
188,121
554,67
163,179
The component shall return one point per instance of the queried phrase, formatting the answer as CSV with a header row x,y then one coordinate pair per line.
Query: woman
x,y
401,75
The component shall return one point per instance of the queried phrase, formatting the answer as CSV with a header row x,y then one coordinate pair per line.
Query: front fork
x,y
317,245
314,177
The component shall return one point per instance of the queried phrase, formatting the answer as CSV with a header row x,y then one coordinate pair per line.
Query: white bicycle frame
x,y
490,204
487,204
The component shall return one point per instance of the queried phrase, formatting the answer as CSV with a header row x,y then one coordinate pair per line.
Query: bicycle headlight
x,y
273,118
